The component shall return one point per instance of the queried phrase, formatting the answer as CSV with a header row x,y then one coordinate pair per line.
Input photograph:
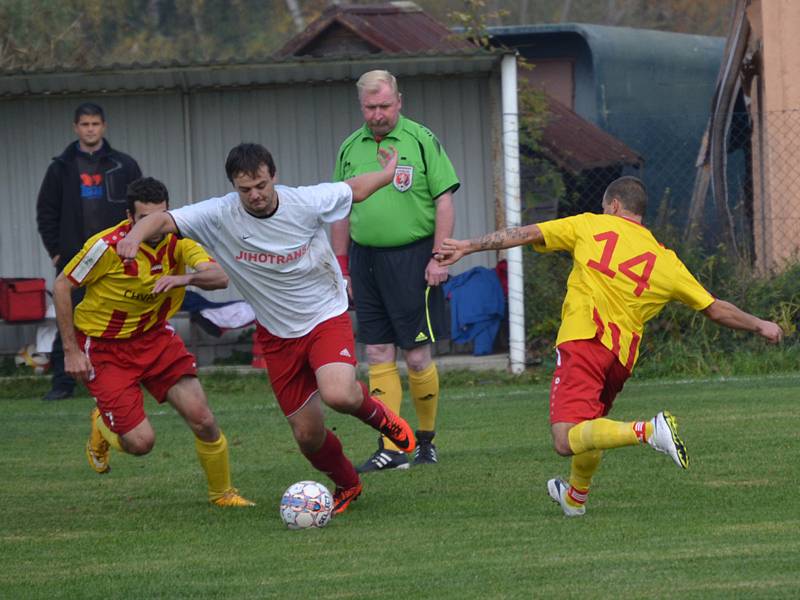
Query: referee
x,y
385,249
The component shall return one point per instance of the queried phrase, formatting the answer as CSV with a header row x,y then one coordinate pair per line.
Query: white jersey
x,y
283,264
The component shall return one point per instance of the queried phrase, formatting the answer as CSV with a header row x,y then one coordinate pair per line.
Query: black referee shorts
x,y
394,304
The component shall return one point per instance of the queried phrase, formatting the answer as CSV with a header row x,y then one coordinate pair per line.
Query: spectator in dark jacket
x,y
83,192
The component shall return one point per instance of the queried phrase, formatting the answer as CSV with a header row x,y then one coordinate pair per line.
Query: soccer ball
x,y
306,504
29,357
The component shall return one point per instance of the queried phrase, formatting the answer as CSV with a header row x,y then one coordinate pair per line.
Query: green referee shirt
x,y
403,211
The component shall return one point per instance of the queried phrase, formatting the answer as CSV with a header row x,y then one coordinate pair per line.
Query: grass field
x,y
479,525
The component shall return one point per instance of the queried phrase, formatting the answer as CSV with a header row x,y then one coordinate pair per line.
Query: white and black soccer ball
x,y
38,362
306,504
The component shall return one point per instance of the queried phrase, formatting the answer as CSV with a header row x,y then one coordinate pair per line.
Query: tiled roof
x,y
576,145
395,27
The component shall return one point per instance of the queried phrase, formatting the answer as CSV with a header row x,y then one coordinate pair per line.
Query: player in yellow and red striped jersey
x,y
120,301
621,278
118,339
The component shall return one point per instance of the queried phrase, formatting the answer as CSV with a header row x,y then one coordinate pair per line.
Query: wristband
x,y
343,264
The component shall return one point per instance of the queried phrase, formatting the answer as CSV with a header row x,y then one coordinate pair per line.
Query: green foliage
x,y
680,341
43,34
7,366
474,19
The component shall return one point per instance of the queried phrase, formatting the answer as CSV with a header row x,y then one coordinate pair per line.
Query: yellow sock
x,y
384,384
213,458
424,388
602,434
108,435
582,468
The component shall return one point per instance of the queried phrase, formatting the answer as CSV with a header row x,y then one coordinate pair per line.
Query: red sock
x,y
640,429
577,496
330,459
371,410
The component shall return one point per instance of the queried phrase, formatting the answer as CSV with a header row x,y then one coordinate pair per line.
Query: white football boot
x,y
665,439
557,490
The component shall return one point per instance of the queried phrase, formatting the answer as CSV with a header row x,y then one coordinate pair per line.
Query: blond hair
x,y
371,81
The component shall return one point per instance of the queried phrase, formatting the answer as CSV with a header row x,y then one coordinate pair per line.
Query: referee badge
x,y
403,177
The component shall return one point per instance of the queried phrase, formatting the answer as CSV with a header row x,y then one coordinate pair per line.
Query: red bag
x,y
22,299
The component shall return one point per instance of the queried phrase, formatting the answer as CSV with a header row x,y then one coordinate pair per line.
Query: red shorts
x,y
292,363
587,378
156,359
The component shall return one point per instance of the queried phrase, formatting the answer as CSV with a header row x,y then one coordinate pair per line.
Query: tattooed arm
x,y
452,251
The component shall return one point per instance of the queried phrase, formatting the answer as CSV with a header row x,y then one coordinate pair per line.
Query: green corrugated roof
x,y
650,89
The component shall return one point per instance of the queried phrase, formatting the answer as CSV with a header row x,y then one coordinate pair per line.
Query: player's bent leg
x,y
337,381
139,440
560,433
605,434
189,399
325,453
308,425
337,387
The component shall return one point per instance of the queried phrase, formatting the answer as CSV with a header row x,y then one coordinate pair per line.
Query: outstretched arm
x,y
452,251
366,184
731,316
152,225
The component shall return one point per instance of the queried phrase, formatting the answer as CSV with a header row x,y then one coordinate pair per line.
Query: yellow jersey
x,y
621,278
119,301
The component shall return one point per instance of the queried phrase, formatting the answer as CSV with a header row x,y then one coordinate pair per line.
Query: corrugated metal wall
x,y
302,126
303,130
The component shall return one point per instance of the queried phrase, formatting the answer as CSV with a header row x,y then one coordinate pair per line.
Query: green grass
x,y
479,525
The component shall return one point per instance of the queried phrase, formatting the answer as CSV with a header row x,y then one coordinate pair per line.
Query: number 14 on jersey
x,y
609,239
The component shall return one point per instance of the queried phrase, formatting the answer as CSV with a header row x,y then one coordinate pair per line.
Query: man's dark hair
x,y
247,159
631,193
147,191
91,109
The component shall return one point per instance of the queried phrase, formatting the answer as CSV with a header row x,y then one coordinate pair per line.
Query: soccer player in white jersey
x,y
270,240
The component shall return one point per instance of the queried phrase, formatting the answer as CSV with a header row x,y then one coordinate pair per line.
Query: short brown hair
x,y
247,159
631,193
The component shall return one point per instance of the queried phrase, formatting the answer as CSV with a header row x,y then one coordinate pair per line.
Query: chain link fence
x,y
759,219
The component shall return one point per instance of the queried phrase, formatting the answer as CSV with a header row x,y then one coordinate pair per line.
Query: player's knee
x,y
342,400
417,363
204,425
138,445
418,359
309,440
381,353
561,446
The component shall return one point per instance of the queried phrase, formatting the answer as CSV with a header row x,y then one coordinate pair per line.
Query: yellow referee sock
x,y
424,388
582,468
603,434
384,384
213,458
108,435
